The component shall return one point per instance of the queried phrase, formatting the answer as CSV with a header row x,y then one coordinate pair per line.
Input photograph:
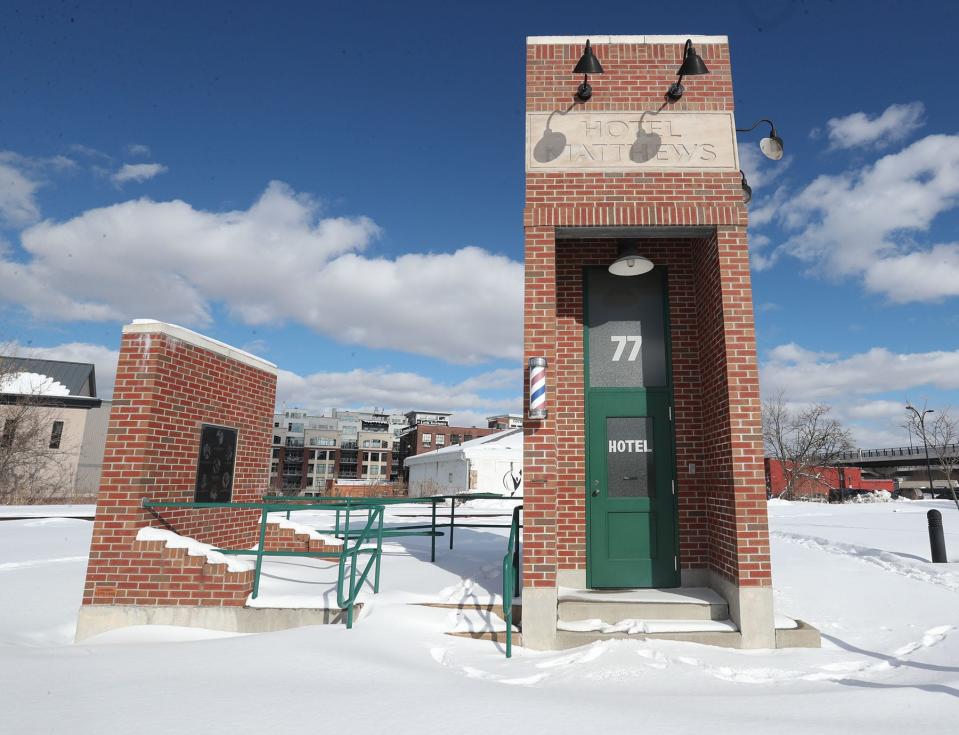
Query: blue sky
x,y
340,188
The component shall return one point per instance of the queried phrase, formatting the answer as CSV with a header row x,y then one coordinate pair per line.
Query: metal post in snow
x,y
433,532
937,541
452,519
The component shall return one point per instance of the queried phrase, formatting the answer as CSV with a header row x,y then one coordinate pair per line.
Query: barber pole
x,y
537,387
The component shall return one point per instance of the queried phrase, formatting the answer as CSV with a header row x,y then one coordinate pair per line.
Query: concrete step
x,y
612,606
725,638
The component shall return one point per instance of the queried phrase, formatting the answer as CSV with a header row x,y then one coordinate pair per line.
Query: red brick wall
x,y
722,506
149,573
821,480
165,390
288,539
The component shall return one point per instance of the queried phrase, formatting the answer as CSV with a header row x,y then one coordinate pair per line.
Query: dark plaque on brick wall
x,y
214,470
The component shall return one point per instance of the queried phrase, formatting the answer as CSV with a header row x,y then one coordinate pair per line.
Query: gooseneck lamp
x,y
693,65
588,64
747,189
772,147
629,262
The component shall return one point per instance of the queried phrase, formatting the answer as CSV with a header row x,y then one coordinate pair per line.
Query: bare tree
x,y
807,442
36,462
942,438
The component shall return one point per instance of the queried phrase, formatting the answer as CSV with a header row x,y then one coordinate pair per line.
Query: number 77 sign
x,y
622,341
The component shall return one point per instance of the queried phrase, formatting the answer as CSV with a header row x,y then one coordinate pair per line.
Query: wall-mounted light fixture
x,y
588,64
537,388
747,189
692,65
629,262
772,147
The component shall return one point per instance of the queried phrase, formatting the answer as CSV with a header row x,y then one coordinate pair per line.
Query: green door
x,y
632,530
632,538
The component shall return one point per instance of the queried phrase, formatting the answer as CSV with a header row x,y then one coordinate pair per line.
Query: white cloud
x,y
867,390
258,347
878,409
804,375
18,205
471,400
138,172
862,223
20,179
918,276
88,151
403,391
509,378
138,149
274,262
895,123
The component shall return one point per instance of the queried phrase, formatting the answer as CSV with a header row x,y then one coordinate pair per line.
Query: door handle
x,y
595,493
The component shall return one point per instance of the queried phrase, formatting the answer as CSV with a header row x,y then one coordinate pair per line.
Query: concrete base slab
x,y
802,636
95,619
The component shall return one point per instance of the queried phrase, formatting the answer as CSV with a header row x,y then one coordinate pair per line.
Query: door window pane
x,y
630,459
627,330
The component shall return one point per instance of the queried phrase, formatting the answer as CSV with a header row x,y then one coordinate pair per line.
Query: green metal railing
x,y
511,577
371,532
430,529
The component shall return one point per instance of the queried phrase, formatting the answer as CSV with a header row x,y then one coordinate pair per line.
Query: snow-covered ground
x,y
889,663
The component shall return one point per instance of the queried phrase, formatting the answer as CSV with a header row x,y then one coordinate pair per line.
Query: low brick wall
x,y
288,539
152,574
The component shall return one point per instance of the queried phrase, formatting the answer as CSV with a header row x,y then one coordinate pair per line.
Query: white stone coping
x,y
603,40
152,326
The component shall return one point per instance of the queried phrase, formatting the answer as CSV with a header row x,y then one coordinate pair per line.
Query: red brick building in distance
x,y
821,482
429,430
647,472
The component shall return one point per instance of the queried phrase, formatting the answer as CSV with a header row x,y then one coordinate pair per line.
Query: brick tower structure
x,y
171,384
647,470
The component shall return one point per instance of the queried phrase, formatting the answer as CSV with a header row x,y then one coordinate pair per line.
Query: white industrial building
x,y
489,464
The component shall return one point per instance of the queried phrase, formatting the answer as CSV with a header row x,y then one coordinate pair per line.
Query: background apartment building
x,y
310,453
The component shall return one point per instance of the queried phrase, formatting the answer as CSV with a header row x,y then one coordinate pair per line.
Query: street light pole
x,y
925,444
